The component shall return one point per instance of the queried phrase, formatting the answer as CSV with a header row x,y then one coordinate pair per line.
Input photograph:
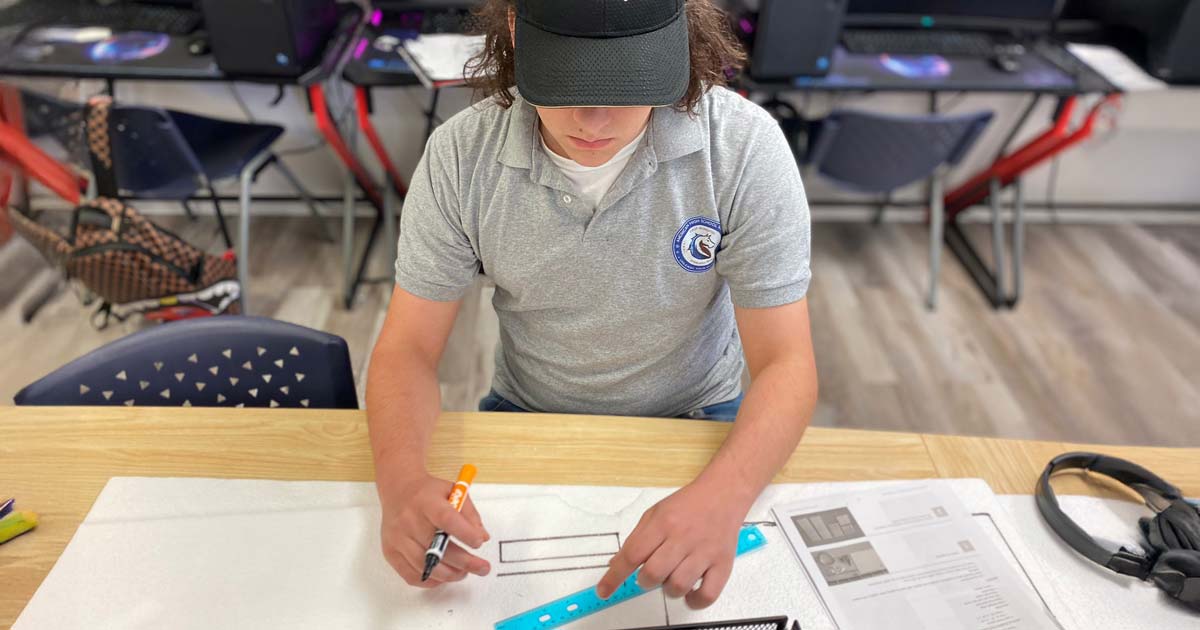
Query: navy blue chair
x,y
173,155
154,156
165,154
228,361
878,153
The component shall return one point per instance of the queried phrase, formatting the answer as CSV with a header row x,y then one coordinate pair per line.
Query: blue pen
x,y
6,507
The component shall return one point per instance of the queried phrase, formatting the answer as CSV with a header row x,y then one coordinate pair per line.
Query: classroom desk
x,y
57,459
377,63
1046,70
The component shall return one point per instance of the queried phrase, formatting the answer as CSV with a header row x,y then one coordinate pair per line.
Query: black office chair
x,y
227,361
879,153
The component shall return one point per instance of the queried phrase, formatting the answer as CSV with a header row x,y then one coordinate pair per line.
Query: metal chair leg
x,y
881,208
313,207
243,244
41,297
937,224
997,240
1018,241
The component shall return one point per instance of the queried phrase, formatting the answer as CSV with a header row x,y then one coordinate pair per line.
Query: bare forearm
x,y
776,411
403,405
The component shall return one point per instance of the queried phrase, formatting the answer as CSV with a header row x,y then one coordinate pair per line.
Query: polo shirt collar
x,y
673,134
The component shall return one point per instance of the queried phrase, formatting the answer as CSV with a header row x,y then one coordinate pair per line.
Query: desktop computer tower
x,y
282,38
792,38
1175,55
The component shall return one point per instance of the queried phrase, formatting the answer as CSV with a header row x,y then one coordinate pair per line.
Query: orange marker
x,y
458,496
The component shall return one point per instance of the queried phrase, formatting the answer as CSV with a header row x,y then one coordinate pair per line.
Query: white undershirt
x,y
592,182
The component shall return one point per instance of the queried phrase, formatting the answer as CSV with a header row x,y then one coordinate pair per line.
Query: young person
x,y
648,236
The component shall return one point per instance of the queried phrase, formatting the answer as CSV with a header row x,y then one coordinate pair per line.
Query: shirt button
x,y
566,198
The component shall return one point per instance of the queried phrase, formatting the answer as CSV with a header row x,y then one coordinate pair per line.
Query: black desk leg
x,y
990,280
989,283
211,195
965,252
1016,128
431,115
362,263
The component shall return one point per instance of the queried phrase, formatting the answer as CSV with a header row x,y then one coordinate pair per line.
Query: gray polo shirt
x,y
627,308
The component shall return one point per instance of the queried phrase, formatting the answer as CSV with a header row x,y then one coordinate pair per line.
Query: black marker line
x,y
521,540
517,540
598,566
580,555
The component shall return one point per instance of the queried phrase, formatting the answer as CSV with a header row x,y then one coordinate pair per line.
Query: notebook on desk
x,y
439,59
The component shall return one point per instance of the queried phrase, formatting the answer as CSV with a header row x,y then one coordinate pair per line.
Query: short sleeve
x,y
435,259
765,249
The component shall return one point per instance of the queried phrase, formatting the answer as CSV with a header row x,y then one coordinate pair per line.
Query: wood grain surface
x,y
57,459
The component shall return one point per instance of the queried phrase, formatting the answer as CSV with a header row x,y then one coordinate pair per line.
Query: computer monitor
x,y
974,14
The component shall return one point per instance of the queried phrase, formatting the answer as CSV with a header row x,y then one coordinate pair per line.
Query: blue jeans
x,y
720,412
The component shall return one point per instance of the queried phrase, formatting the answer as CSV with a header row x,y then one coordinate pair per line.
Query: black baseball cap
x,y
602,53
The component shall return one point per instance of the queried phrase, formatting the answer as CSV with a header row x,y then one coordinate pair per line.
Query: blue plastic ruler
x,y
586,602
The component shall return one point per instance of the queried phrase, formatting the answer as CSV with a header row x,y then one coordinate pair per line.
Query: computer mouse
x,y
199,46
386,43
1005,63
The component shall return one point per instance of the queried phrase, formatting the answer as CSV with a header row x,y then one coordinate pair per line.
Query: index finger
x,y
447,519
633,553
472,515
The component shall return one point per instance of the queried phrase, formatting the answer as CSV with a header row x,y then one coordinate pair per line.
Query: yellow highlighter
x,y
16,523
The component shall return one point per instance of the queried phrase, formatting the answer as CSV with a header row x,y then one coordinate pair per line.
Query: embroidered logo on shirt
x,y
696,242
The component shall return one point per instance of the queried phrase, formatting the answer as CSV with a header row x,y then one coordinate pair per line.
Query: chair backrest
x,y
150,155
61,121
878,153
224,361
224,147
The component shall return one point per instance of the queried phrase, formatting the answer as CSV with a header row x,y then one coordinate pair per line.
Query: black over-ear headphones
x,y
1173,534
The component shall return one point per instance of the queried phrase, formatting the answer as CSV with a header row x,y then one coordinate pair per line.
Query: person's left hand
x,y
688,536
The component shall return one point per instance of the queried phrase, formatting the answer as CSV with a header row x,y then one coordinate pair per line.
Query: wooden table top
x,y
57,459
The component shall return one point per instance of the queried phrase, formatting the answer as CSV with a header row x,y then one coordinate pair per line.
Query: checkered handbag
x,y
133,265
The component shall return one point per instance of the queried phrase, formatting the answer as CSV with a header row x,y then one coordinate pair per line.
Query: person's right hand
x,y
412,512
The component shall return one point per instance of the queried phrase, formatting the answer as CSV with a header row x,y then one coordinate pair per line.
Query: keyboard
x,y
919,42
119,17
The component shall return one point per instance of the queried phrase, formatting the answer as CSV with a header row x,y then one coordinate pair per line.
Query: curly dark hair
x,y
716,54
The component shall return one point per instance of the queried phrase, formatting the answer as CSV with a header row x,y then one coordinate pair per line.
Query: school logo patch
x,y
695,245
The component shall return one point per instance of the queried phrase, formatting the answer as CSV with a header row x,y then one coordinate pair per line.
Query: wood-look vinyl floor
x,y
1104,346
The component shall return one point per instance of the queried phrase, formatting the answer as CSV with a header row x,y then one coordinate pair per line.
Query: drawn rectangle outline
x,y
559,547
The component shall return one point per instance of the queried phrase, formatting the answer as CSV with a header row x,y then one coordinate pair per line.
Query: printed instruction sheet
x,y
907,558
